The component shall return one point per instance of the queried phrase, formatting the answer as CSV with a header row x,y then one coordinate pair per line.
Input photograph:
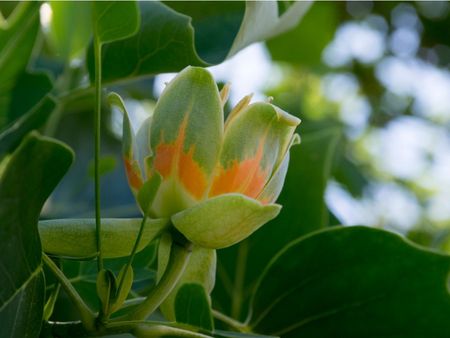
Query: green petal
x,y
201,269
255,142
129,146
273,188
75,238
224,220
186,137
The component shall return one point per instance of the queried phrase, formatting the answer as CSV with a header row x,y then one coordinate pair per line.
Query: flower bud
x,y
217,180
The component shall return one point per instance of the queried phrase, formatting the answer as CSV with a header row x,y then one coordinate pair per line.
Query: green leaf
x,y
192,306
75,237
70,28
215,25
17,36
164,43
196,34
115,20
31,175
122,293
12,135
354,282
303,211
299,46
29,89
224,220
106,288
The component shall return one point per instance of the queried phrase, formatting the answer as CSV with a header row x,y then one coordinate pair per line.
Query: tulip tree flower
x,y
216,180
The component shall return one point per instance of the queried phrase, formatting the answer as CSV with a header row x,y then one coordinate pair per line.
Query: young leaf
x,y
106,289
122,293
31,175
192,306
364,283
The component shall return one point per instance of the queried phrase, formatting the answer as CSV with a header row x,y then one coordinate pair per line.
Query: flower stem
x,y
179,257
97,125
231,322
87,316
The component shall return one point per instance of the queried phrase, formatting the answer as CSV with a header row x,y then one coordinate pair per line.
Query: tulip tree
x,y
230,235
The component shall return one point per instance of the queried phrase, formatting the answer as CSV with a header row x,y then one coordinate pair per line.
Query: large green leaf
x,y
303,211
31,175
115,20
215,25
12,135
17,36
354,282
175,35
70,27
164,43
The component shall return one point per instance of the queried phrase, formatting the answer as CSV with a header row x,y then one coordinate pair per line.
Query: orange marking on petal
x,y
191,175
171,160
134,178
246,177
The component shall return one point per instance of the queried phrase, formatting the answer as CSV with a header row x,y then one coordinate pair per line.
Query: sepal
x,y
201,269
224,220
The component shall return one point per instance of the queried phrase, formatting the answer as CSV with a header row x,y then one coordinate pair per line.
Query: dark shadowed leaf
x,y
363,283
192,306
32,173
28,90
215,25
12,135
303,211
